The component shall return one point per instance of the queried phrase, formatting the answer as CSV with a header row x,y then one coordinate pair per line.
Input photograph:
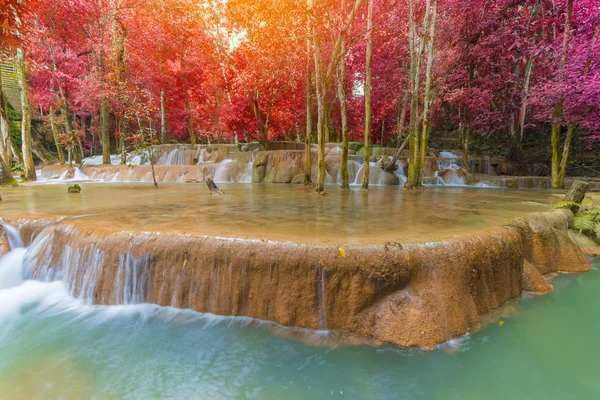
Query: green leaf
x,y
565,204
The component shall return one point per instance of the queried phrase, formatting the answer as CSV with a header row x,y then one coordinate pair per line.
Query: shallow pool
x,y
53,346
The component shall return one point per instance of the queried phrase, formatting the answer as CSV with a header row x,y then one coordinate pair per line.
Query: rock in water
x,y
70,173
576,194
214,189
74,189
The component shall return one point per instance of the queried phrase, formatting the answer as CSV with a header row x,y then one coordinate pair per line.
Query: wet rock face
x,y
533,281
259,167
411,295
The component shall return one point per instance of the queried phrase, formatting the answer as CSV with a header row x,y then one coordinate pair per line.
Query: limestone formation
x,y
576,194
409,295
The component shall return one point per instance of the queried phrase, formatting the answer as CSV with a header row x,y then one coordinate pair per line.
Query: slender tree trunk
x,y
322,82
105,130
163,117
77,151
368,106
308,132
6,177
466,138
320,187
572,126
26,121
341,89
190,122
416,47
557,181
427,96
4,130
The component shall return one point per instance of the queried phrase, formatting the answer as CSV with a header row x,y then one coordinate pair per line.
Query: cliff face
x,y
410,295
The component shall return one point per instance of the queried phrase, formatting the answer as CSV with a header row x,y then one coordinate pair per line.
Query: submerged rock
x,y
74,189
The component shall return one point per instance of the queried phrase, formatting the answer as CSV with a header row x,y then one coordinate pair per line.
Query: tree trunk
x,y
105,130
341,89
41,152
368,106
6,178
416,43
427,96
190,122
4,130
26,122
557,179
320,187
54,128
572,126
163,117
308,133
322,82
466,138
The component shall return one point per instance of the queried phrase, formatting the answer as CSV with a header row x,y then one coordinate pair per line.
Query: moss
x,y
11,182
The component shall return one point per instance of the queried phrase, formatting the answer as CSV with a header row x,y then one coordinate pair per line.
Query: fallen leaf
x,y
342,252
500,323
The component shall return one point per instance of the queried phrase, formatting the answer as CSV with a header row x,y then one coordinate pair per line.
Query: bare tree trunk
x,y
416,44
26,122
322,82
4,130
190,122
368,106
163,117
320,187
54,128
341,89
308,133
427,96
466,138
6,177
105,130
557,181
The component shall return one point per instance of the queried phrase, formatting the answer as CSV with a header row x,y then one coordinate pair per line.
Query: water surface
x,y
282,212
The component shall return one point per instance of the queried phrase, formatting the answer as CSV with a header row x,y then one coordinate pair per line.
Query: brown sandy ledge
x,y
411,295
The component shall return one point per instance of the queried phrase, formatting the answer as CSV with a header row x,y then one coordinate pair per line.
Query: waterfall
x,y
79,267
132,281
453,179
223,171
247,175
322,301
14,236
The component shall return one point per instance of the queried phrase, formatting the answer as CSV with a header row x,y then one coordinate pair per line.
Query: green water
x,y
52,346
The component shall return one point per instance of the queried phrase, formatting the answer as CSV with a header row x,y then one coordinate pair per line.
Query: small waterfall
x,y
322,301
400,173
132,281
14,237
78,267
247,175
453,179
78,175
223,171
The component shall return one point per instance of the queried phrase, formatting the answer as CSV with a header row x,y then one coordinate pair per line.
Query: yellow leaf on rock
x,y
342,252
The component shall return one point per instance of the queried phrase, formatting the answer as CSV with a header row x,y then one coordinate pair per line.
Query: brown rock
x,y
298,179
533,281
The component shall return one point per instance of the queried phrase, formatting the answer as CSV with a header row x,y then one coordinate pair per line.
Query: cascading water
x,y
77,267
